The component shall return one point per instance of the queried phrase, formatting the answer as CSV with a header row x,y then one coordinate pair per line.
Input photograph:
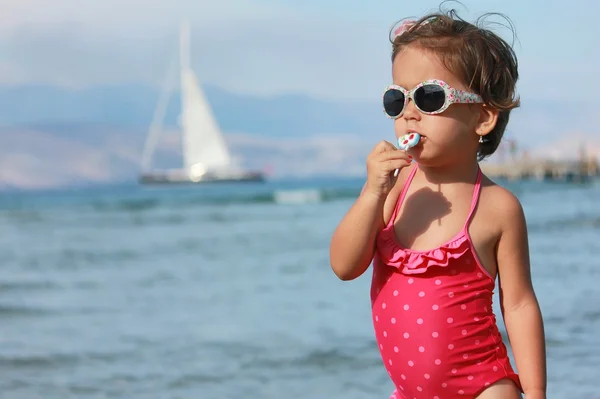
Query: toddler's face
x,y
445,136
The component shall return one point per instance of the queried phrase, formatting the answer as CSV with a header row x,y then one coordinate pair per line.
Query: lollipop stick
x,y
397,171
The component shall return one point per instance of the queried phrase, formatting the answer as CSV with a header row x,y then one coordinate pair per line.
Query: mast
x,y
184,67
203,144
184,46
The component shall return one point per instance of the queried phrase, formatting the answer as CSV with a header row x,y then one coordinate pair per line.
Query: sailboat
x,y
206,156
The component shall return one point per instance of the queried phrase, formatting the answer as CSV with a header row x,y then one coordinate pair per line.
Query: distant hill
x,y
288,115
53,137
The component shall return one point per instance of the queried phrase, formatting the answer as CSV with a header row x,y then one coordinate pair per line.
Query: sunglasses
x,y
430,97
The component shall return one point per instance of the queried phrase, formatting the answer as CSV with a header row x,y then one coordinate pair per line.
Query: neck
x,y
464,172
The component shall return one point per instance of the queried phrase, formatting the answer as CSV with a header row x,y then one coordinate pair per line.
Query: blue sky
x,y
328,49
324,48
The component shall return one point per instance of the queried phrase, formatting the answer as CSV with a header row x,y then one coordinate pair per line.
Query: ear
x,y
488,117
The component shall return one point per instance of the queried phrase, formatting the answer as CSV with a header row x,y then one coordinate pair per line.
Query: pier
x,y
549,170
520,166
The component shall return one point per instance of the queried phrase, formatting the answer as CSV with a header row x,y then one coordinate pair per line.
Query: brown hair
x,y
481,59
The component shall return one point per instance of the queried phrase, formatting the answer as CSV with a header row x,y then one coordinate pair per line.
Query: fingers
x,y
384,146
389,155
393,164
387,158
385,150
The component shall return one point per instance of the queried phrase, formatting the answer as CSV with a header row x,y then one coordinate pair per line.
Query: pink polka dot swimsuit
x,y
433,318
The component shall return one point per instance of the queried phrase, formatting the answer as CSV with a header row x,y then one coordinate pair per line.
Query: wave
x,y
275,196
53,360
73,259
127,205
568,223
22,216
326,360
27,285
7,310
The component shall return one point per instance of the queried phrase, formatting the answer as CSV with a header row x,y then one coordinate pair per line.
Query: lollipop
x,y
406,142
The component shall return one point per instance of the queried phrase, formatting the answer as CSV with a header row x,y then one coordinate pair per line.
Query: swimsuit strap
x,y
475,199
402,195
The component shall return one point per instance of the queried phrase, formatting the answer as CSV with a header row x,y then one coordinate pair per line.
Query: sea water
x,y
225,291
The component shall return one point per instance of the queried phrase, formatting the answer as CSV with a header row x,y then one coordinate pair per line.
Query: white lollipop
x,y
406,142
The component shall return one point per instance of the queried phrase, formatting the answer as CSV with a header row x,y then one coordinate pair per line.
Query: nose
x,y
411,112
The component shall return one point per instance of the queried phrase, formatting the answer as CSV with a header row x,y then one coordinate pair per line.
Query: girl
x,y
441,232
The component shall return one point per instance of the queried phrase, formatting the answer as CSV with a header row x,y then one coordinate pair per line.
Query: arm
x,y
353,243
520,307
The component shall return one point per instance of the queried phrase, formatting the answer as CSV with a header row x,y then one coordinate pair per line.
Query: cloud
x,y
131,18
264,46
244,45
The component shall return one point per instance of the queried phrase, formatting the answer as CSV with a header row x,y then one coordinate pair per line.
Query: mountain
x,y
287,115
54,137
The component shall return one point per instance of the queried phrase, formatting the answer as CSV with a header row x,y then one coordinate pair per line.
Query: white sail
x,y
206,157
203,144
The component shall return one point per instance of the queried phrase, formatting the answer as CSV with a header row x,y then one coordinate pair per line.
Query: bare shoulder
x,y
512,246
500,205
498,221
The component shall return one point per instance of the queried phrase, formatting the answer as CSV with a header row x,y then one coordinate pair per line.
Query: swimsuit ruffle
x,y
417,262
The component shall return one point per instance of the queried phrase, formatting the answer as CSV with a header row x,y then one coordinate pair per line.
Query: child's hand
x,y
381,164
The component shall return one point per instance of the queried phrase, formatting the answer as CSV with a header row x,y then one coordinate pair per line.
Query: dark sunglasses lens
x,y
430,98
393,102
